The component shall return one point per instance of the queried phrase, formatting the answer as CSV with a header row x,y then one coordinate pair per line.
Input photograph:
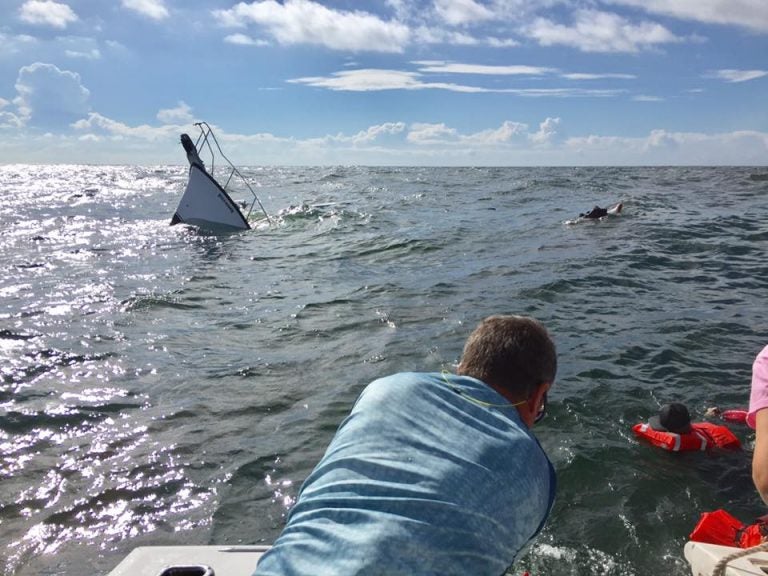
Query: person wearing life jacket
x,y
672,430
594,214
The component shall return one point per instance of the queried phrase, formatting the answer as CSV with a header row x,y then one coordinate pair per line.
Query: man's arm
x,y
760,455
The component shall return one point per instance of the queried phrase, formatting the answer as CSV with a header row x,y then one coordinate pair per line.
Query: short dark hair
x,y
513,353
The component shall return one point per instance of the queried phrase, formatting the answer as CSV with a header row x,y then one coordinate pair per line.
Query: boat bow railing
x,y
206,140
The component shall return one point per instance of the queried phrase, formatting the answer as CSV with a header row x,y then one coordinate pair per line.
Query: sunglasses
x,y
542,410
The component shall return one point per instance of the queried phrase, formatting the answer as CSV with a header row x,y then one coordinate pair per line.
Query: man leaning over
x,y
432,473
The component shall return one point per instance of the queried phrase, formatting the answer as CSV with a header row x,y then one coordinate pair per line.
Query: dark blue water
x,y
163,386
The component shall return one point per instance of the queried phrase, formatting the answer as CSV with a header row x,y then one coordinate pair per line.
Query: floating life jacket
x,y
721,528
703,436
738,416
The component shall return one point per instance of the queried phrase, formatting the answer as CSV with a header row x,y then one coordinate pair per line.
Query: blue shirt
x,y
419,479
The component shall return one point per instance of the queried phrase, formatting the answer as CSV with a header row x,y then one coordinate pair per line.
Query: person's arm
x,y
760,455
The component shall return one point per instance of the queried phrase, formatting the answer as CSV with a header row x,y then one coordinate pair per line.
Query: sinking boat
x,y
206,203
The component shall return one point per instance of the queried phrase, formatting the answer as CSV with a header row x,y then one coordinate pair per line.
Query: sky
x,y
390,82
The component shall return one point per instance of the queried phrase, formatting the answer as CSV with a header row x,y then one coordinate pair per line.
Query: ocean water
x,y
159,385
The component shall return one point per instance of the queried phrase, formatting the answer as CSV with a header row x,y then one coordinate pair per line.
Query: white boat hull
x,y
207,205
218,560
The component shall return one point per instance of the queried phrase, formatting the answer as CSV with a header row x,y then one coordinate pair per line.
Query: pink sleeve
x,y
758,397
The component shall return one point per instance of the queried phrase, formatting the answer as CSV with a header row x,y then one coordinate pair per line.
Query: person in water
x,y
432,473
672,430
595,213
757,418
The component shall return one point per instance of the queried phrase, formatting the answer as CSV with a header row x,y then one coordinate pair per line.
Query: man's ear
x,y
531,405
535,399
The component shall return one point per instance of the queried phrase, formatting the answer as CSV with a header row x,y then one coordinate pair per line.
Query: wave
x,y
154,302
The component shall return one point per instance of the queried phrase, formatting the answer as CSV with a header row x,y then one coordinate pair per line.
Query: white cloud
x,y
49,97
521,10
79,47
153,9
244,40
182,114
496,136
401,8
375,132
372,80
96,123
459,68
588,76
501,42
645,98
566,92
308,22
752,14
547,132
372,134
47,13
442,67
101,139
440,134
11,45
462,12
430,35
661,147
10,121
422,133
92,54
737,75
364,80
595,31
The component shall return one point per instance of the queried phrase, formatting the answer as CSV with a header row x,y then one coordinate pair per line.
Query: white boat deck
x,y
169,561
242,560
703,559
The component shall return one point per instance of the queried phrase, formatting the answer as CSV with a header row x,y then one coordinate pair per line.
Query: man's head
x,y
513,354
672,418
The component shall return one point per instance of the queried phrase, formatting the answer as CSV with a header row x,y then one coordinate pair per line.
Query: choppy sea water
x,y
159,385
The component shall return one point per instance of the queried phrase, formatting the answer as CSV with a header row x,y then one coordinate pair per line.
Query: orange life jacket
x,y
703,436
721,528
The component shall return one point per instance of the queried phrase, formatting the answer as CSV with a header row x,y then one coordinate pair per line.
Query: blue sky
x,y
392,82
